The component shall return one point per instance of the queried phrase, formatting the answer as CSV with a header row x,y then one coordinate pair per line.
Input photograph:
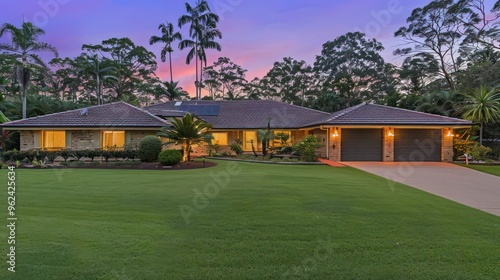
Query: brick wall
x,y
388,149
446,146
335,144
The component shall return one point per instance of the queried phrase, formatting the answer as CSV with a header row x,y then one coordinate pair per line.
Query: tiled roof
x,y
119,114
245,114
372,114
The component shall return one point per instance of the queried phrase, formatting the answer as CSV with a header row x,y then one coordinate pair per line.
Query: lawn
x,y
491,169
264,222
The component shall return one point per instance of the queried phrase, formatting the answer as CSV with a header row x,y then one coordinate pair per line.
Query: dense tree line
x,y
450,66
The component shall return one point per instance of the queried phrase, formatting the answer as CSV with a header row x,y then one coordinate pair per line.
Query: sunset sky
x,y
255,33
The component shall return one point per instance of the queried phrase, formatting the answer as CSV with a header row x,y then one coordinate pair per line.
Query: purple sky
x,y
255,33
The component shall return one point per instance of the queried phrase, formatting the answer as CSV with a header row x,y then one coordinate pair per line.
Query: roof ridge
x,y
302,107
142,110
80,109
346,111
417,112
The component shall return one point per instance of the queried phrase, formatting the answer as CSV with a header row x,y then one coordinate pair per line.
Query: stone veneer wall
x,y
27,140
132,137
83,139
446,146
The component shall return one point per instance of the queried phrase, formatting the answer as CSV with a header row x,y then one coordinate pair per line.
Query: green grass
x,y
491,169
307,222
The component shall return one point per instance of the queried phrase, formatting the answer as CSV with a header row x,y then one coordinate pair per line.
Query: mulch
x,y
142,166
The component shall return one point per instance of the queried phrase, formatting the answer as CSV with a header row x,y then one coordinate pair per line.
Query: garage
x,y
417,145
361,145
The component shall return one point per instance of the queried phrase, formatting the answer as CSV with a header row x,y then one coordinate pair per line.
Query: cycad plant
x,y
186,131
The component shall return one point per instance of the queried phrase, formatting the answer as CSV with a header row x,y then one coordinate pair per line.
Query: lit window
x,y
279,142
53,140
220,138
112,140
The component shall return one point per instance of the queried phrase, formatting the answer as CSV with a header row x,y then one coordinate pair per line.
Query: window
x,y
111,140
220,138
53,140
250,137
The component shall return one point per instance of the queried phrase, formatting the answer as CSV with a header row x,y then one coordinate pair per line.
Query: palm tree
x,y
207,41
186,131
199,17
168,37
99,69
24,46
171,90
483,106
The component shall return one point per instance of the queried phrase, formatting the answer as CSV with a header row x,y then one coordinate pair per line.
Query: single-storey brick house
x,y
365,132
106,126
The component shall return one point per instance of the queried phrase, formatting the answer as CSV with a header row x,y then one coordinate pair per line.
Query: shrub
x,y
237,148
93,154
480,152
284,150
307,148
149,148
106,155
225,154
170,157
213,150
65,154
10,155
131,154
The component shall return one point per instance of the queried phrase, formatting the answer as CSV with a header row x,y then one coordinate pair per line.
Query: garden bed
x,y
137,165
267,161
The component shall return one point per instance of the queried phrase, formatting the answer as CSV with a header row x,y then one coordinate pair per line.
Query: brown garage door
x,y
417,145
361,145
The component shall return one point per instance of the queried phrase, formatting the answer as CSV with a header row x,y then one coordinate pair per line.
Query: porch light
x,y
335,133
390,133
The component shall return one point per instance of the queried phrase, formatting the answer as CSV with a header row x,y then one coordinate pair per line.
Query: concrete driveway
x,y
463,185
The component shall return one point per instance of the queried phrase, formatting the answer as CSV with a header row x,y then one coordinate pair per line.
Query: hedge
x,y
41,155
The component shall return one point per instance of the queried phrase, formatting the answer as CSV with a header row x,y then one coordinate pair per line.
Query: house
x,y
106,126
366,132
240,119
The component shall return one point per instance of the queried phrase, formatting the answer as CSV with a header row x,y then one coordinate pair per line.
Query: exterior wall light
x,y
335,133
390,133
450,133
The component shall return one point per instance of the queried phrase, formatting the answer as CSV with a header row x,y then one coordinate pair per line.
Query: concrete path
x,y
463,185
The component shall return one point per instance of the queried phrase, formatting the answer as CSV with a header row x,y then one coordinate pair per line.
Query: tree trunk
x,y
201,75
187,151
253,149
25,93
98,87
481,134
171,74
196,57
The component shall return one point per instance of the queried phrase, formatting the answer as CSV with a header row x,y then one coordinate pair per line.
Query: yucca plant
x,y
186,131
